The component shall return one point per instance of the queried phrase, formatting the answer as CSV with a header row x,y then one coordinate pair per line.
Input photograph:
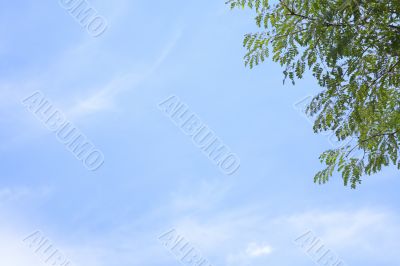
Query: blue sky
x,y
154,178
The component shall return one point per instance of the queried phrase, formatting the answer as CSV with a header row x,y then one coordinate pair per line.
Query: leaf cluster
x,y
352,48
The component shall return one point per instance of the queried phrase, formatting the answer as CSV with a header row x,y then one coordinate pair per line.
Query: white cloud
x,y
99,250
353,235
12,194
253,235
103,99
257,250
366,232
248,256
234,237
13,252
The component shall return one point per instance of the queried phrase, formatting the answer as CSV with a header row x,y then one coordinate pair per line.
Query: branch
x,y
371,137
384,73
294,13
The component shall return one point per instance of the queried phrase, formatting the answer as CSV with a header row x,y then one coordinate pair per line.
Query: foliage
x,y
352,48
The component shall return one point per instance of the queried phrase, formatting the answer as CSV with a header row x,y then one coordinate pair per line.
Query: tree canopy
x,y
352,48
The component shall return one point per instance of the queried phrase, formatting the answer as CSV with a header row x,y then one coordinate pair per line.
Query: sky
x,y
154,179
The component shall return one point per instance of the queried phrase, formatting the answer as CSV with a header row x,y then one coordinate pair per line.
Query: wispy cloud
x,y
237,236
12,194
365,231
246,234
104,98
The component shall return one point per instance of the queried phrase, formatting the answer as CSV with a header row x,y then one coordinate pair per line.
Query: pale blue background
x,y
154,178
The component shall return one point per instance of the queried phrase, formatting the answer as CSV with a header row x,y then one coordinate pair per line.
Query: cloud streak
x,y
104,98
